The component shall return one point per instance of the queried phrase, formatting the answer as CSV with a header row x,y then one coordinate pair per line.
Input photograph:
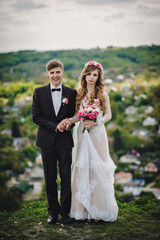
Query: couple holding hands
x,y
56,109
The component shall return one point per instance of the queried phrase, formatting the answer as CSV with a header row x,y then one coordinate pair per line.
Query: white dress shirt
x,y
56,98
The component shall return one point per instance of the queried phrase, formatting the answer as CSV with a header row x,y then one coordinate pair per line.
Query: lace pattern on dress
x,y
93,191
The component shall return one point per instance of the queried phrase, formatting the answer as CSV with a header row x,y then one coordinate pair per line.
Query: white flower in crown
x,y
94,63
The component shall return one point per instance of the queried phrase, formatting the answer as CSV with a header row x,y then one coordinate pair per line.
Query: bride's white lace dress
x,y
92,175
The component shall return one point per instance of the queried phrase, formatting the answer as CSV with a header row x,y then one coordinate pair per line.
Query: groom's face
x,y
55,75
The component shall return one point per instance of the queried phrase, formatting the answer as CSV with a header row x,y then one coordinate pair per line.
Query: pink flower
x,y
66,100
89,112
91,63
98,101
94,63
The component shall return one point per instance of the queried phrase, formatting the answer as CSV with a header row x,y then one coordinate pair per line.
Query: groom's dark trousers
x,y
54,145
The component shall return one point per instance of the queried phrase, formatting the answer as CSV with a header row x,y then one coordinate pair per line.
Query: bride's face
x,y
92,77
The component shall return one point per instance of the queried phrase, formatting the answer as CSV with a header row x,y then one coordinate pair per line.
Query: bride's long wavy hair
x,y
96,92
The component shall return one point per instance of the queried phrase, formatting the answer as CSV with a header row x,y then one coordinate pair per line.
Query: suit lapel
x,y
64,94
49,97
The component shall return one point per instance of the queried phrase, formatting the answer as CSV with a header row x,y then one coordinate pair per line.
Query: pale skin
x,y
55,75
91,80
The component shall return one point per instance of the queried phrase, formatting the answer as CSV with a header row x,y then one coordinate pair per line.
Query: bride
x,y
92,176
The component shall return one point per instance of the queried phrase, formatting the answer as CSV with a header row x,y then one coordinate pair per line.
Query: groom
x,y
51,104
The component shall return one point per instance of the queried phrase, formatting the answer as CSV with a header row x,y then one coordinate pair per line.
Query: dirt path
x,y
155,191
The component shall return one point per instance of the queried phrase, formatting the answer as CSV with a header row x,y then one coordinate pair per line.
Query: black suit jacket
x,y
43,114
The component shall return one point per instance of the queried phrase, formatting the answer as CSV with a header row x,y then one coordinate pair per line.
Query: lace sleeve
x,y
108,114
74,119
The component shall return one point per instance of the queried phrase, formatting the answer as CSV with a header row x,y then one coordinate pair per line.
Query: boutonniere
x,y
64,100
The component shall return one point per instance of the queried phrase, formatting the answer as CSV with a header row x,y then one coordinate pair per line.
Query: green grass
x,y
138,220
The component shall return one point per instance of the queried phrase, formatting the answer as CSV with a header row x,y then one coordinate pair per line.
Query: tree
x,y
30,153
155,95
11,160
5,140
124,142
118,141
9,201
15,130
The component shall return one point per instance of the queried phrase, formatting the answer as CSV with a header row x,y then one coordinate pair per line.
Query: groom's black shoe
x,y
52,219
66,219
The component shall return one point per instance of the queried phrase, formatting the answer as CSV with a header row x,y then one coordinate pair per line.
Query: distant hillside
x,y
30,65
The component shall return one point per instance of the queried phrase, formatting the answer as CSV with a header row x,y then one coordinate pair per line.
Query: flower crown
x,y
94,63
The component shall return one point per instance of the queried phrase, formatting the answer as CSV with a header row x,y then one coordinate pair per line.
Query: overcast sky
x,y
70,24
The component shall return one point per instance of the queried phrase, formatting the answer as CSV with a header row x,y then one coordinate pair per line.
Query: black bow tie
x,y
56,89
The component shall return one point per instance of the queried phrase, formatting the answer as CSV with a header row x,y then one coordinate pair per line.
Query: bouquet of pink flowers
x,y
89,112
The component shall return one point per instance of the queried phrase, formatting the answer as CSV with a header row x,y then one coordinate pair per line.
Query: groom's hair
x,y
53,64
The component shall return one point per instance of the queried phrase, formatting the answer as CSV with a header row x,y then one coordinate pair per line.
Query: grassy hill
x,y
30,65
139,220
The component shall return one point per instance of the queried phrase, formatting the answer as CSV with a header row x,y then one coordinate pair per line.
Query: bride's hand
x,y
89,124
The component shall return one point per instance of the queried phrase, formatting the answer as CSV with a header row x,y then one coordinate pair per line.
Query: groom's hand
x,y
67,123
64,125
60,127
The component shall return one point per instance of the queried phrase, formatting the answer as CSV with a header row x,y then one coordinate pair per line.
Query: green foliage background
x,y
30,65
21,72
